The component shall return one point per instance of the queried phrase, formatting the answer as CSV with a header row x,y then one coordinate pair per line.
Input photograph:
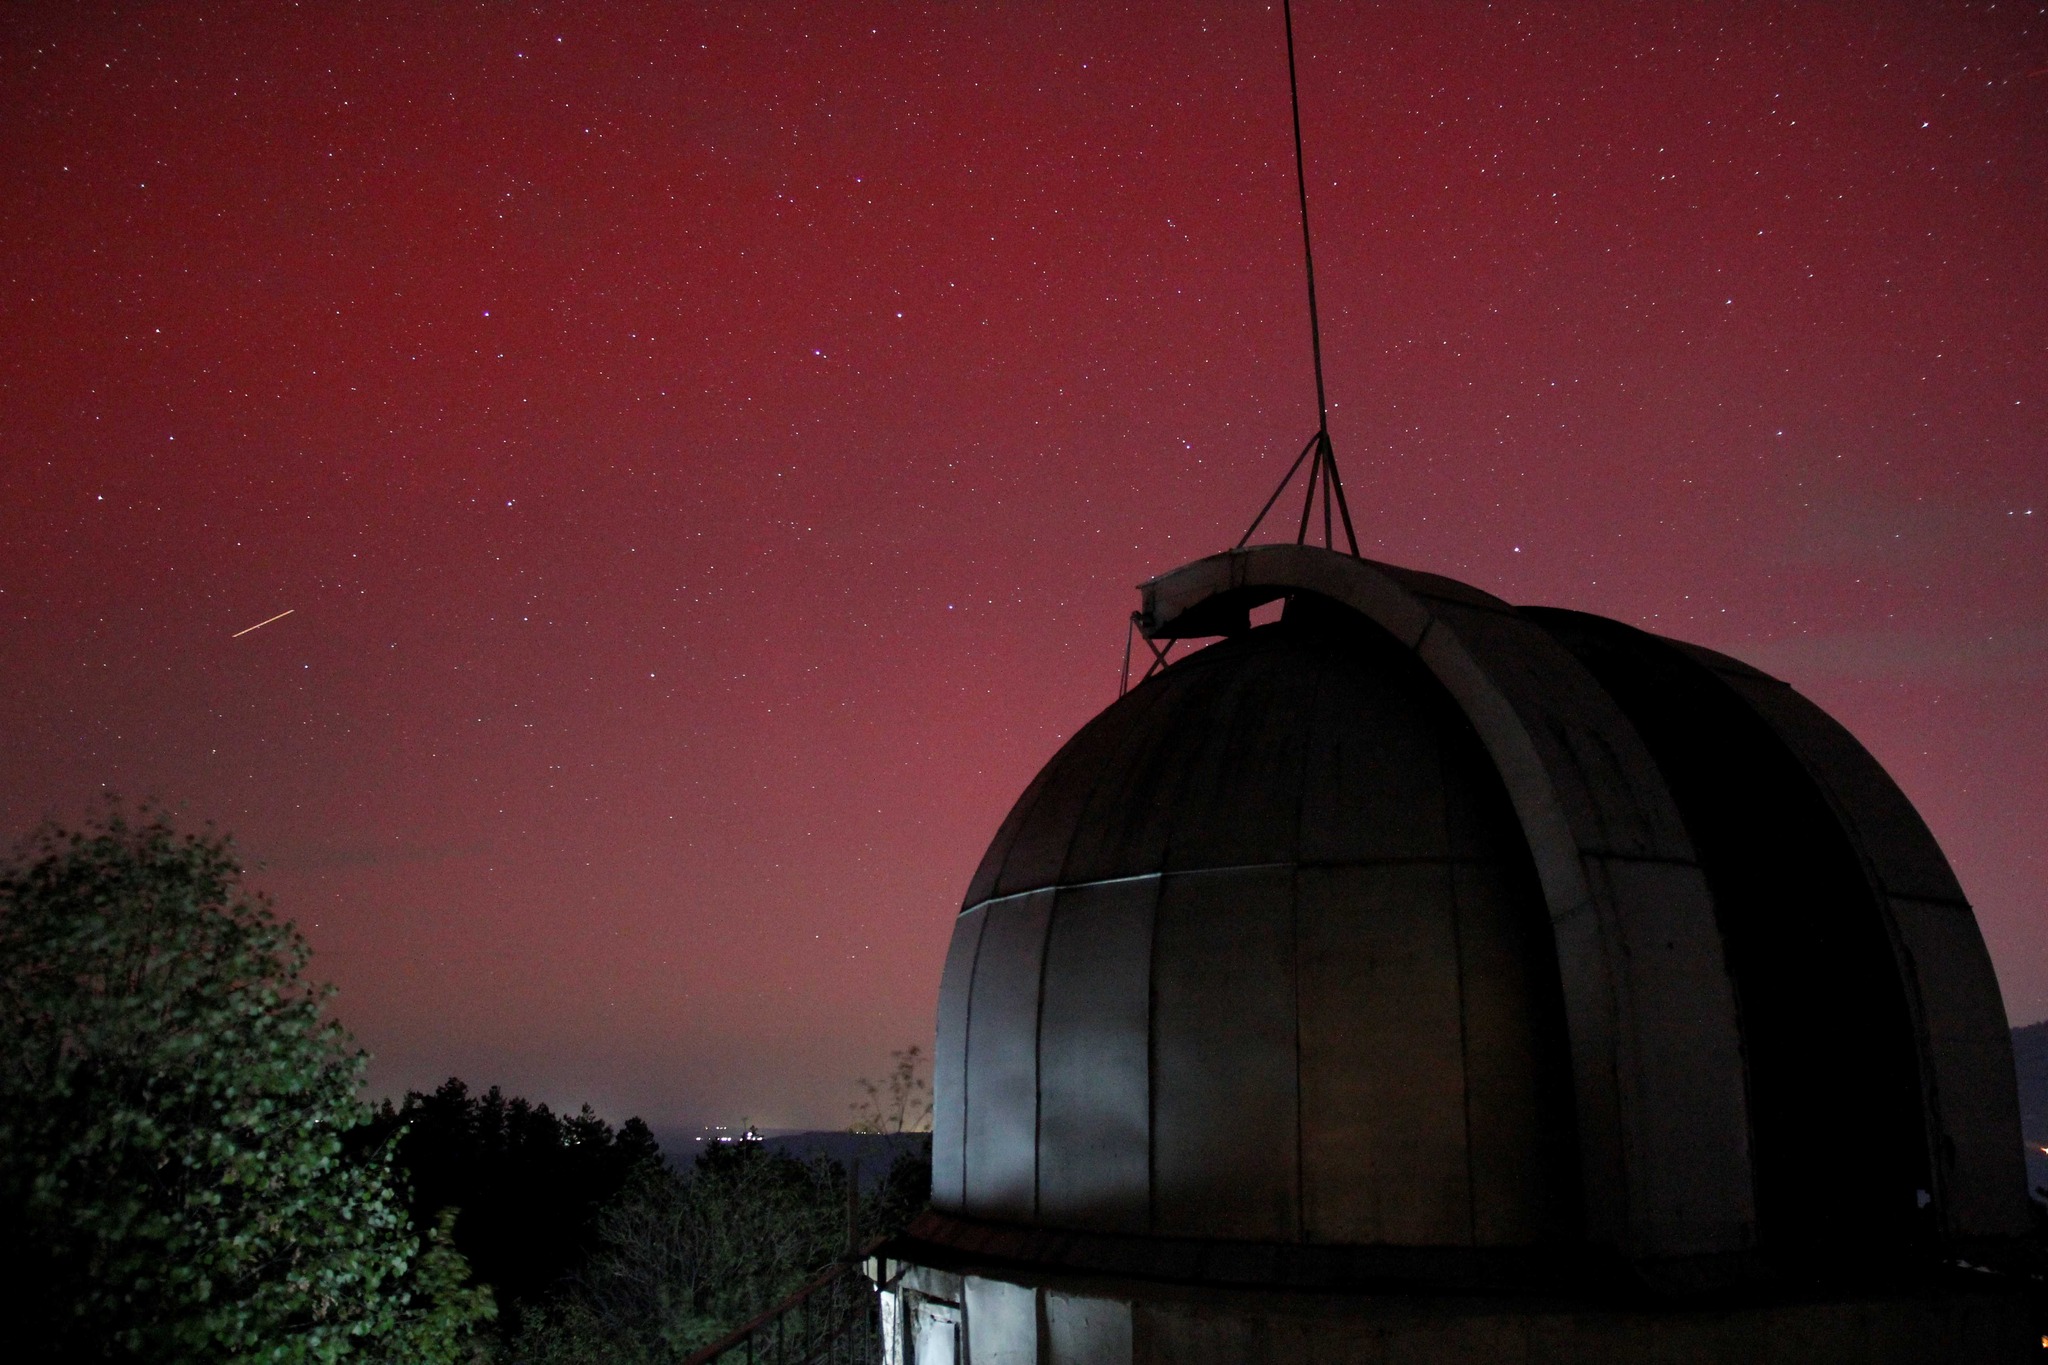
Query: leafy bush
x,y
174,1183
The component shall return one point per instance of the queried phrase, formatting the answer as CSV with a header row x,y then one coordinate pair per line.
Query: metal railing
x,y
835,1319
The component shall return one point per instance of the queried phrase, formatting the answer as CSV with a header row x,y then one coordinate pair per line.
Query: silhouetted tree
x,y
898,1104
901,1102
904,1193
526,1185
684,1257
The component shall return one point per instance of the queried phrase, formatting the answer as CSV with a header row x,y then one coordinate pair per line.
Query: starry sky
x,y
708,451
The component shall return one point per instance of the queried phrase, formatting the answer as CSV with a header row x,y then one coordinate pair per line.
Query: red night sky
x,y
708,452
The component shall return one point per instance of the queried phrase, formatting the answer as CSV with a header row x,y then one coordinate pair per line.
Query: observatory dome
x,y
1415,935
1260,955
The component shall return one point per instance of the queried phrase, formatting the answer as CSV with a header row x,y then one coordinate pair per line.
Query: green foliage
x,y
174,1183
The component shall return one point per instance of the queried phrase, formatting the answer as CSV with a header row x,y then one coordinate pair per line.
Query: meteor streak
x,y
261,624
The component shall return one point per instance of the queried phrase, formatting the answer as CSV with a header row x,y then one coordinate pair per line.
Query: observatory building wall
x,y
939,1316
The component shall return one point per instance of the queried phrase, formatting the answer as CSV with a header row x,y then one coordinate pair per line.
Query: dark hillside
x,y
876,1152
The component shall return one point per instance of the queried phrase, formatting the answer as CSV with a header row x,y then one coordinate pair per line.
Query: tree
x,y
682,1259
901,1102
899,1106
905,1191
174,1182
528,1183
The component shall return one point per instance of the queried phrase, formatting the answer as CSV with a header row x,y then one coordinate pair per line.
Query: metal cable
x,y
1323,470
1308,255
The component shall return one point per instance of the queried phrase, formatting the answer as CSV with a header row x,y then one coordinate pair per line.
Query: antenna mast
x,y
1324,468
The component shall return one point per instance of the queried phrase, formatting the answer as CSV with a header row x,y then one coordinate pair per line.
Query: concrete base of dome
x,y
949,1317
